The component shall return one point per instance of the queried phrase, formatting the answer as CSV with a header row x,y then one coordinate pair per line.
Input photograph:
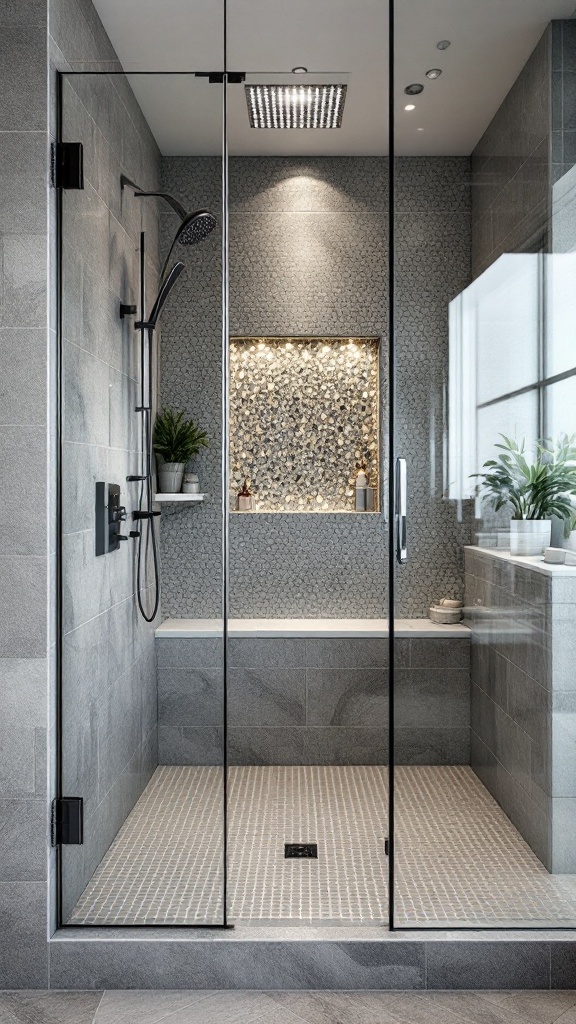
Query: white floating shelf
x,y
179,497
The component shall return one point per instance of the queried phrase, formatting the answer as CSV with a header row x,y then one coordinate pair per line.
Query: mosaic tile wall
x,y
308,256
303,420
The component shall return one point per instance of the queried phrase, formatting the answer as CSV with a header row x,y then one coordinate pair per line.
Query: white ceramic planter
x,y
529,536
171,474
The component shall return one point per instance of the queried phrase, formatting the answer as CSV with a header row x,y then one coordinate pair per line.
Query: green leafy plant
x,y
570,523
177,439
535,489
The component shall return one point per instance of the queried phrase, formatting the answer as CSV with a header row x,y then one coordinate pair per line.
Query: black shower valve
x,y
134,533
119,514
120,536
127,310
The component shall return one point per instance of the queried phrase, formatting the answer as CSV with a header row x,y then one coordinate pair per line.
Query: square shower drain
x,y
300,850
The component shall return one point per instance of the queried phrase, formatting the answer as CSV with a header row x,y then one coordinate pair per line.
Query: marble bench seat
x,y
204,628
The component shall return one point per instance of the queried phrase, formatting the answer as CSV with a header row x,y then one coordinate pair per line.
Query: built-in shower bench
x,y
312,691
301,628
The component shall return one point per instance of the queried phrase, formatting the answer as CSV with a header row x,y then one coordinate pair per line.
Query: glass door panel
x,y
307,679
483,317
142,645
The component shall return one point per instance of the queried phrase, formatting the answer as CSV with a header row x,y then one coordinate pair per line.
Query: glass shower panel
x,y
484,229
142,645
307,678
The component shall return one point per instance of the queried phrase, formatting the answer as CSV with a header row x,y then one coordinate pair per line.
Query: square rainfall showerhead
x,y
295,106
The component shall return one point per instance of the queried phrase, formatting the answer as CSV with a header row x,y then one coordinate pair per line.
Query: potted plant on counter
x,y
535,488
176,440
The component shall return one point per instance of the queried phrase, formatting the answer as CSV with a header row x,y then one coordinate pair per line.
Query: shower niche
x,y
304,420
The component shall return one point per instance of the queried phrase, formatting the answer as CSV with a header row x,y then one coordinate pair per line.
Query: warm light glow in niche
x,y
303,419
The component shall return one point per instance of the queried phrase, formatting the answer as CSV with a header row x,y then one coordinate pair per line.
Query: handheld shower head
x,y
195,227
162,297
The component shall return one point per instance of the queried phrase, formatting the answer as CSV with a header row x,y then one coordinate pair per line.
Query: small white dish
x,y
555,556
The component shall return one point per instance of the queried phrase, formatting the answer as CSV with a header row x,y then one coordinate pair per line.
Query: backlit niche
x,y
303,420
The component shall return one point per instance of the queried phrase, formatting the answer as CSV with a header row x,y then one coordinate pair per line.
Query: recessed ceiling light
x,y
443,44
420,129
410,106
414,90
434,73
299,71
295,106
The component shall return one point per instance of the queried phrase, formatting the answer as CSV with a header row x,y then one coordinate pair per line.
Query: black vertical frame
x,y
391,462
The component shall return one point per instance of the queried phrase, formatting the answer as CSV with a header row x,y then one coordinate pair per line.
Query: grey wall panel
x,y
308,255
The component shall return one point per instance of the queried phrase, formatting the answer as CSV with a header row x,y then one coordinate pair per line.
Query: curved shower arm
x,y
161,195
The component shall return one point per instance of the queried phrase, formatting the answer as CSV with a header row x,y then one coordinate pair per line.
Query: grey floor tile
x,y
543,1007
419,1009
41,1007
339,1007
469,1006
225,1008
137,1007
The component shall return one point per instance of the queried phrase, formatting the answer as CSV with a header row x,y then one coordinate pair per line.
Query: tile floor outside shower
x,y
318,1007
459,860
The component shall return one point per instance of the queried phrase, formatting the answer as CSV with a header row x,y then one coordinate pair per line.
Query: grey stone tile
x,y
23,607
86,579
190,697
543,1007
469,1006
563,826
23,383
266,745
332,1007
441,653
563,964
517,964
49,1007
189,653
17,767
271,696
23,840
23,160
347,697
24,70
434,698
23,946
86,397
118,729
346,653
23,304
22,460
529,704
345,746
432,746
190,746
484,763
269,653
134,1007
318,965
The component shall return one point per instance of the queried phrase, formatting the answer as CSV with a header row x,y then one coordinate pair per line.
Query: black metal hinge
x,y
67,165
68,821
217,77
386,847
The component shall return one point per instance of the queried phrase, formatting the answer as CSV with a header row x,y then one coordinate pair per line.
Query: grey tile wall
x,y
511,166
109,729
523,699
331,212
313,701
563,145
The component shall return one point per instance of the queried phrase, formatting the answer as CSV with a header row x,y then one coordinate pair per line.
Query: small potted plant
x,y
536,489
176,440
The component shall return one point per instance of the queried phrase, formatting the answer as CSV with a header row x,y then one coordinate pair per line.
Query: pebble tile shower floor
x,y
458,858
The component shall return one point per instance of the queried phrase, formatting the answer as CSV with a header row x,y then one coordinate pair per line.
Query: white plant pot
x,y
570,542
529,536
171,475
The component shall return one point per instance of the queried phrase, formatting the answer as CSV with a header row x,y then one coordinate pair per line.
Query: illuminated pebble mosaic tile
x,y
303,419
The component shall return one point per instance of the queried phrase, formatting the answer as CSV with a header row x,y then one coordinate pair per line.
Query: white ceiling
x,y
491,41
